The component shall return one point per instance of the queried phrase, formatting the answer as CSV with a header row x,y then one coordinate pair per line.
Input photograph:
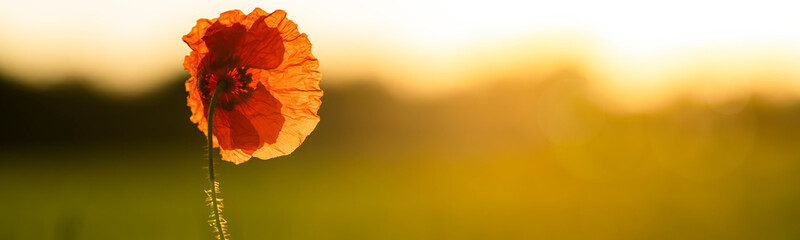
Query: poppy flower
x,y
271,95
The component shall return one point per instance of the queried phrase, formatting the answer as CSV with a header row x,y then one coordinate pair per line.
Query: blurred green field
x,y
507,162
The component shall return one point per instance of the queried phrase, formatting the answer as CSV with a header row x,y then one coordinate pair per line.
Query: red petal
x,y
221,39
264,112
234,131
261,47
250,125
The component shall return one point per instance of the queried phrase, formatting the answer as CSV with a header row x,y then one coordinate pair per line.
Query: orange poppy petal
x,y
282,109
193,100
263,111
230,17
219,37
234,131
261,47
254,16
195,37
295,83
191,62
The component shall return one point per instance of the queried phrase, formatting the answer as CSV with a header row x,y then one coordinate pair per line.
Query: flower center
x,y
238,83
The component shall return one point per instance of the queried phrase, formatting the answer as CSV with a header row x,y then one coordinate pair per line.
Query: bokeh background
x,y
440,120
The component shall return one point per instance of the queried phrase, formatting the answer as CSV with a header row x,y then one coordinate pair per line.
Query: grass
x,y
313,194
509,163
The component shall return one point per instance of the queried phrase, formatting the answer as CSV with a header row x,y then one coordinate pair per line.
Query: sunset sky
x,y
440,119
637,54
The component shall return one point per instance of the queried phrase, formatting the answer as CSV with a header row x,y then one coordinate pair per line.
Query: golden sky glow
x,y
636,50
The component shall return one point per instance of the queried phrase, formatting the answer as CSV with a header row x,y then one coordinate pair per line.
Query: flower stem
x,y
211,176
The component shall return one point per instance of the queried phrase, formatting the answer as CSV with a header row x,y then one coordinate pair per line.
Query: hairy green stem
x,y
211,176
